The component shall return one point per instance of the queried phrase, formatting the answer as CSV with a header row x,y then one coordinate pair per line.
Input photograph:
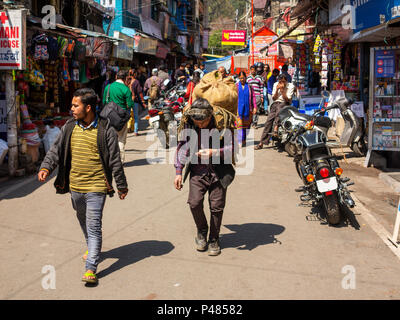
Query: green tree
x,y
214,44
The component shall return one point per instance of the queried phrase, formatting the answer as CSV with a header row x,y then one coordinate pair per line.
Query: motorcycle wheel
x,y
359,148
290,149
163,137
332,208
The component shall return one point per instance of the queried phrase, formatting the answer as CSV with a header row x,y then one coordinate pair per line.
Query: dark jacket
x,y
224,172
107,143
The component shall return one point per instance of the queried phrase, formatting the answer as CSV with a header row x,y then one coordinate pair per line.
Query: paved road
x,y
272,248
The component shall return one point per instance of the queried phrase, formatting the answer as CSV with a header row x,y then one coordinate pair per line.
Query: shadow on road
x,y
249,236
132,253
21,187
142,162
348,217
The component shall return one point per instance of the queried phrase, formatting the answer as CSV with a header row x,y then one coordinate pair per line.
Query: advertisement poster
x,y
384,63
233,37
261,41
12,40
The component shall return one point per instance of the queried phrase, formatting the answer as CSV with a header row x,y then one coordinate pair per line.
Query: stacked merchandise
x,y
30,133
337,66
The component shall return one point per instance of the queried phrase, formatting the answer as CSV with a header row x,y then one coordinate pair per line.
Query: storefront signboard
x,y
13,40
371,13
147,46
233,37
384,63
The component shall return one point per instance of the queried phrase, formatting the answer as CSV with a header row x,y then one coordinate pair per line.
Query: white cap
x,y
154,70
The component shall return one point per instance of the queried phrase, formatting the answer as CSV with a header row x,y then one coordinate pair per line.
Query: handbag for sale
x,y
118,116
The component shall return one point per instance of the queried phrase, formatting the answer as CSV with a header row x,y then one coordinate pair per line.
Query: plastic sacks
x,y
50,136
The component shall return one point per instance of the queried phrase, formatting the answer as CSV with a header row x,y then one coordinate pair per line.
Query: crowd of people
x,y
89,153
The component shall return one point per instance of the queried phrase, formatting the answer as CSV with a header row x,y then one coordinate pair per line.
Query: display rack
x,y
384,100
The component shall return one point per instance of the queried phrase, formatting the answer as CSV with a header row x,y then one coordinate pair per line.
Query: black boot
x,y
201,240
214,248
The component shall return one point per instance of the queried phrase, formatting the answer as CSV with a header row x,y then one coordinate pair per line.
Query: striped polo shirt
x,y
87,174
257,83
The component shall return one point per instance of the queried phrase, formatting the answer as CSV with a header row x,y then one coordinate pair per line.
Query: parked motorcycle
x,y
166,113
353,135
320,170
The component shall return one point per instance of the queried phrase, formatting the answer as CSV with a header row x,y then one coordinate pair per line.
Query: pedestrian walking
x,y
120,93
192,84
137,97
247,106
204,176
152,87
87,156
257,83
281,95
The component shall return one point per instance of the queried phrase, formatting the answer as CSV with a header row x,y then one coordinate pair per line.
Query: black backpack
x,y
117,115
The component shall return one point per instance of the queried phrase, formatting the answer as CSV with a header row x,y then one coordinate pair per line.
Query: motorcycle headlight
x,y
287,125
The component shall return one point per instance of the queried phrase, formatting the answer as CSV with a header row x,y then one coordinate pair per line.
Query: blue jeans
x,y
265,93
89,210
136,117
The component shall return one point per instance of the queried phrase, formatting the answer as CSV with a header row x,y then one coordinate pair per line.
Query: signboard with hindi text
x,y
233,37
13,39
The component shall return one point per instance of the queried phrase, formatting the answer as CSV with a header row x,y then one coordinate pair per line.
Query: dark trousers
x,y
272,120
199,185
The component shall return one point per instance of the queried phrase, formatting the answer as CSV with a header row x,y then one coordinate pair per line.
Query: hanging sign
x,y
13,39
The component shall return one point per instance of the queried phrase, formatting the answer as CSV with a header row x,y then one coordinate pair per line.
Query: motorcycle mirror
x,y
166,82
325,94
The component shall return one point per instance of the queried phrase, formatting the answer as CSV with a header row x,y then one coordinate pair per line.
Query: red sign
x,y
12,39
233,37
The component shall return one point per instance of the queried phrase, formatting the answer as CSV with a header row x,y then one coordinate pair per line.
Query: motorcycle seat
x,y
324,122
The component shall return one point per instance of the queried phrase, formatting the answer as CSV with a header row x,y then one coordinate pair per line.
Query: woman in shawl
x,y
246,107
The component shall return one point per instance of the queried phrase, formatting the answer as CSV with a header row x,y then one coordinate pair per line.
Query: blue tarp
x,y
214,64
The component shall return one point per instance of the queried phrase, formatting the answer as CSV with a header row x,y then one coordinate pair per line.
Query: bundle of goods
x,y
223,97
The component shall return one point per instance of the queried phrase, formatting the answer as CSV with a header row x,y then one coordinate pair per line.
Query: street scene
x,y
199,150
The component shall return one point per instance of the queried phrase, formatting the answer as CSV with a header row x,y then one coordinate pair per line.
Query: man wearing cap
x,y
162,74
210,170
154,77
281,96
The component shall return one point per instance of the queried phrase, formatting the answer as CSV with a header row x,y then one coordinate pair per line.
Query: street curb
x,y
391,181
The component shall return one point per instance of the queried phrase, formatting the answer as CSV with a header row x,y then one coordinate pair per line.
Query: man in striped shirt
x,y
257,83
87,154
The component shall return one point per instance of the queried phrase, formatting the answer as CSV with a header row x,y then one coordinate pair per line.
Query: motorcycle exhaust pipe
x,y
350,203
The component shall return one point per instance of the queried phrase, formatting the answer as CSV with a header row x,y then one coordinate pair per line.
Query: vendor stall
x,y
384,100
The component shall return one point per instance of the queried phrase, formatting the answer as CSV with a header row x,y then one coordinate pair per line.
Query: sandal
x,y
258,147
90,277
84,257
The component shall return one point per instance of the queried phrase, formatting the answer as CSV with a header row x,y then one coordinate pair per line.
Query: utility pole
x,y
12,135
236,19
252,32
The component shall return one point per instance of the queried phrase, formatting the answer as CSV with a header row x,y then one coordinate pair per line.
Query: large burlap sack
x,y
219,92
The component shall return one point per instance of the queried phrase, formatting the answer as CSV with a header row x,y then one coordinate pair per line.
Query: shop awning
x,y
376,34
129,32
